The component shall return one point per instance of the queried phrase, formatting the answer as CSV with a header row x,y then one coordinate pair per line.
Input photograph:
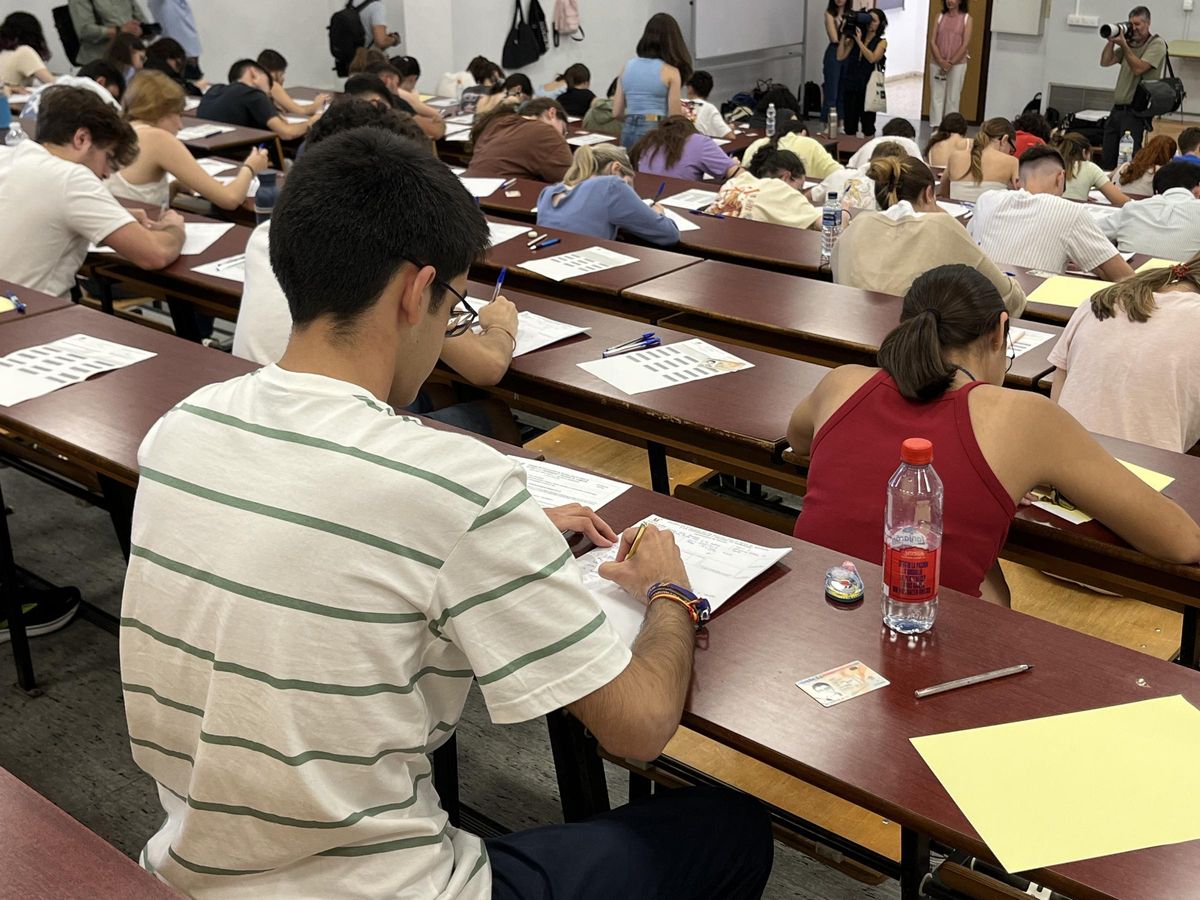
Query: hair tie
x,y
1180,271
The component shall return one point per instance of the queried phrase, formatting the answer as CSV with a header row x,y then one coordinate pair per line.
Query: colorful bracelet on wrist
x,y
698,609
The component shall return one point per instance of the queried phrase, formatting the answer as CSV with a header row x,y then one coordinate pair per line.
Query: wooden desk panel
x,y
35,302
228,140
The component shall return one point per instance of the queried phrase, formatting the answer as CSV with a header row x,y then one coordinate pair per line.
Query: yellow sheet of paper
x,y
6,305
1155,264
425,97
1062,290
1156,480
1077,786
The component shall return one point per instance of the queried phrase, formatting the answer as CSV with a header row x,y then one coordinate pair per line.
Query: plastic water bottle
x,y
833,124
264,198
15,134
1126,150
5,111
831,226
770,120
912,539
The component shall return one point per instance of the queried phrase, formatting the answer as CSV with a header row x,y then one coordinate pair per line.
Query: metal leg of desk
x,y
183,318
445,778
660,481
914,863
10,606
1189,646
577,764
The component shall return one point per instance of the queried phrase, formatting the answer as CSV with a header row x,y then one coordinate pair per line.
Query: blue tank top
x,y
645,93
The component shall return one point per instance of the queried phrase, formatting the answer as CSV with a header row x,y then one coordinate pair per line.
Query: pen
x,y
535,239
508,183
549,243
499,281
701,212
647,335
637,539
231,261
970,680
662,187
16,301
645,342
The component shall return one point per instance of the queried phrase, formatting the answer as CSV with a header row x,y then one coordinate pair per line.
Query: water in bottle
x,y
15,134
770,120
264,197
833,124
831,226
912,538
1126,150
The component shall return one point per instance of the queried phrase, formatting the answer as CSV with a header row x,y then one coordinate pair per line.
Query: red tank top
x,y
857,450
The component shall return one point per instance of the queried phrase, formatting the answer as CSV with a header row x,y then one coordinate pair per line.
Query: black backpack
x,y
346,34
541,28
66,31
812,99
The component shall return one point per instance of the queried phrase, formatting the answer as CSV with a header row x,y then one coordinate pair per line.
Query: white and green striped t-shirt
x,y
312,586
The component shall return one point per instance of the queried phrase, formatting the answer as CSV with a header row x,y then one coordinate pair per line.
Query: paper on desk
x,y
6,305
553,485
580,262
213,166
1062,290
1097,197
1155,263
231,268
693,199
955,209
36,371
720,142
533,331
680,222
464,119
1156,480
1049,791
458,136
191,103
717,566
443,102
498,232
251,189
199,132
424,98
664,367
1026,339
18,99
199,237
481,187
583,139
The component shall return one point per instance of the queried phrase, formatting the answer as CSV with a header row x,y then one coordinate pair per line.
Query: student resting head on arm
x,y
940,376
528,142
1083,175
488,77
596,197
515,90
1032,129
23,51
677,150
770,190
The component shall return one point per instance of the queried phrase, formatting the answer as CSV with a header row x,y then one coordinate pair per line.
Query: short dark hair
x,y
1140,11
121,48
272,61
1033,123
769,161
347,113
366,83
98,69
22,29
165,49
962,5
1177,175
407,66
701,82
238,69
576,74
521,81
355,209
1042,154
900,128
1188,140
64,110
380,67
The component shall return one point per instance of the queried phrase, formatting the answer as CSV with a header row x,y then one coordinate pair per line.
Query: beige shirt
x,y
17,66
764,200
878,253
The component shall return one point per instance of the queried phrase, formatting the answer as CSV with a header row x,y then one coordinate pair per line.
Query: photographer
x,y
863,47
1139,55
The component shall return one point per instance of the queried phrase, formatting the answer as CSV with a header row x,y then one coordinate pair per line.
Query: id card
x,y
843,683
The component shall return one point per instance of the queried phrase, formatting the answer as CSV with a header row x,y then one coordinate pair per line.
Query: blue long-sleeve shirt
x,y
599,206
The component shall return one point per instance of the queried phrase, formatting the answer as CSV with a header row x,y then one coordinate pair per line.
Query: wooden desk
x,y
35,302
244,214
46,854
1049,312
519,208
230,140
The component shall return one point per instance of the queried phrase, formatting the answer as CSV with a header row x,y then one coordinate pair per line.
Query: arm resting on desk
x,y
1114,269
147,248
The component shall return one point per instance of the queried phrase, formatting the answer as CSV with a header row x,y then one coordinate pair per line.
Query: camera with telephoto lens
x,y
859,20
1107,31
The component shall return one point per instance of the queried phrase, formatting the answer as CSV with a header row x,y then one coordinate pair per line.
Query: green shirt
x,y
1154,51
92,17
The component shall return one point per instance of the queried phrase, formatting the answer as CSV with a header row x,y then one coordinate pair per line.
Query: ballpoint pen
x,y
16,301
662,187
549,243
645,342
970,680
508,183
700,212
499,281
537,238
231,261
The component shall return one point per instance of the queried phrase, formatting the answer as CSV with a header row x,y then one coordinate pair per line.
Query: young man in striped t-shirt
x,y
314,582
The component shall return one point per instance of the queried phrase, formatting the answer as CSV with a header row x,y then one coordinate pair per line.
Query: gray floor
x,y
70,744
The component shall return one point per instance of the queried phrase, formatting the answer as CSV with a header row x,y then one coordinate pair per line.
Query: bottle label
x,y
911,574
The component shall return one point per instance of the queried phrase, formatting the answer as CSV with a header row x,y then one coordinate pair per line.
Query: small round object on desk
x,y
843,584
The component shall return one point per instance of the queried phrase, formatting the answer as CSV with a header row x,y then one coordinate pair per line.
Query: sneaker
x,y
43,615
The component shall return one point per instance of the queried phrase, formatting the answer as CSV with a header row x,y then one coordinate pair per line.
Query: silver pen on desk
x,y
231,261
970,680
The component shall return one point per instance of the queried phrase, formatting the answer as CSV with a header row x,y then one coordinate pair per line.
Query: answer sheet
x,y
552,485
1063,290
199,132
464,119
442,102
717,566
693,199
251,189
458,135
583,139
481,187
663,367
533,331
498,232
680,222
231,268
1156,480
213,166
1026,339
36,371
198,237
579,262
955,209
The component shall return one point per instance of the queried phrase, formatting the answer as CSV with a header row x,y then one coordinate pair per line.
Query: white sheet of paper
x,y
443,102
499,232
457,170
553,485
680,222
199,237
693,199
1092,115
199,132
18,99
717,566
191,103
295,120
464,119
231,268
720,142
459,133
1025,339
574,119
583,139
955,209
481,187
251,189
213,166
36,371
533,331
580,262
1097,197
663,367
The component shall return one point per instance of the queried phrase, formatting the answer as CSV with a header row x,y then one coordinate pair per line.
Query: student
x,y
488,77
1136,177
276,66
179,24
98,77
57,184
988,166
577,98
861,53
950,136
899,130
372,89
439,572
1166,225
1036,228
704,115
1189,146
516,89
886,251
833,65
596,197
410,70
166,55
97,22
675,149
769,190
1032,129
364,57
940,377
1083,175
599,118
246,101
651,84
1141,335
429,119
855,187
818,163
23,51
949,55
154,107
127,54
529,143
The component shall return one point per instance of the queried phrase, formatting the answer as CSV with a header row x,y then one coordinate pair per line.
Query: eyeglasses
x,y
1012,352
461,320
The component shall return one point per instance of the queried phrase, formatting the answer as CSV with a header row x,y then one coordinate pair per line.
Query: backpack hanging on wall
x,y
521,45
346,34
541,28
566,20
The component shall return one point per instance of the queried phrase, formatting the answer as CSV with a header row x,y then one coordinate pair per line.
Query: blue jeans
x,y
635,126
831,97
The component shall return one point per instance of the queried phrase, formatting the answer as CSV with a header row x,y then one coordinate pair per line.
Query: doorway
x,y
974,91
907,34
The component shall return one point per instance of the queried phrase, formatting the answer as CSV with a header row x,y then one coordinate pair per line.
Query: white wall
x,y
907,34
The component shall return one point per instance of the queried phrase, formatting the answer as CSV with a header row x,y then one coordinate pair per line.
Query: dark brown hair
x,y
534,108
898,178
64,110
951,124
576,75
663,40
946,308
22,29
669,139
346,113
120,49
770,162
1189,140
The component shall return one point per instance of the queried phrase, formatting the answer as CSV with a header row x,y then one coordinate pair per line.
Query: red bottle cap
x,y
917,451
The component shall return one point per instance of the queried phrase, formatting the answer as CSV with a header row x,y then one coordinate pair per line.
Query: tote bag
x,y
876,99
521,45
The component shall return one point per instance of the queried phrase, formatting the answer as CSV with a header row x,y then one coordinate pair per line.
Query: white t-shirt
x,y
1135,380
53,210
313,585
862,158
1038,231
707,118
371,15
264,321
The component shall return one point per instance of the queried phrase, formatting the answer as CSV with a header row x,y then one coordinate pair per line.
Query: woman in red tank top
x,y
939,378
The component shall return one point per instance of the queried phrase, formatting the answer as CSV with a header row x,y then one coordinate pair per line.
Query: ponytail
x,y
991,130
1074,149
594,159
946,308
898,178
1135,296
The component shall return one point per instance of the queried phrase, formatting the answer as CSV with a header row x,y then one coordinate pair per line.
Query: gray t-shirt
x,y
372,15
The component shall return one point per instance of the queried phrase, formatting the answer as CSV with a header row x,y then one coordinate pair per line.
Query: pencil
x,y
637,539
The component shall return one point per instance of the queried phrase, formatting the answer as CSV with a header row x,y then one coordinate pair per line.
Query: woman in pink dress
x,y
948,46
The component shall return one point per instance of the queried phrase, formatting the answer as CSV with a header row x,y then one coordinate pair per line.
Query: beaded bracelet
x,y
698,609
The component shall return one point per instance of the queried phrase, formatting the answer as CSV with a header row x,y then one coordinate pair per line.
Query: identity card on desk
x,y
580,262
552,485
662,367
717,566
35,371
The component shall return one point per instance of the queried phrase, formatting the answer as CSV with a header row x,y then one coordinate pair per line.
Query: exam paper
x,y
1156,480
213,166
199,132
553,485
231,268
464,119
1097,197
717,567
1054,790
663,367
955,209
481,187
36,371
583,139
498,232
443,102
1026,339
580,262
190,103
460,136
693,199
1062,290
680,222
199,236
533,331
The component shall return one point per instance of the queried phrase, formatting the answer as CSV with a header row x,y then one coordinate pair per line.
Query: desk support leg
x,y
118,498
183,318
659,479
445,778
577,764
914,863
1189,647
10,607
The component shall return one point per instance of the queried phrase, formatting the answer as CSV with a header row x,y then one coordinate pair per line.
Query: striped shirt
x,y
313,584
1038,231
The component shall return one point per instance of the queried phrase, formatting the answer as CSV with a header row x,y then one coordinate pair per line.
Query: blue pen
x,y
549,243
632,346
499,281
701,212
662,187
645,336
16,301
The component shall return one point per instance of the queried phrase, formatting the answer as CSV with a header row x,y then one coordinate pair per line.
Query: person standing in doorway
x,y
835,14
1140,56
948,46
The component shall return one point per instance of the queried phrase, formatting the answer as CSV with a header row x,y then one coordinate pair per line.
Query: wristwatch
x,y
699,609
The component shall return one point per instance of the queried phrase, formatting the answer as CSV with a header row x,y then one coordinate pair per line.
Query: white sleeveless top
x,y
970,191
155,192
